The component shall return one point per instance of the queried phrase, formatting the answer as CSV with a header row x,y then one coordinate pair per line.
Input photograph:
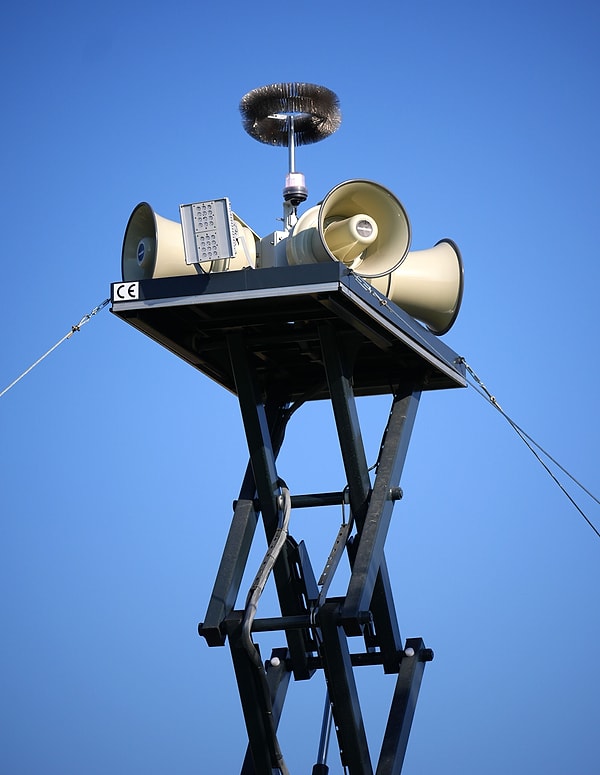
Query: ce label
x,y
126,291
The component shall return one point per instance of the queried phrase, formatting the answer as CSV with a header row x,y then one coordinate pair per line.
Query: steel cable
x,y
85,319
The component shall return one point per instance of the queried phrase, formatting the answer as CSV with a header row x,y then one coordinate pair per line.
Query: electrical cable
x,y
85,319
267,565
532,445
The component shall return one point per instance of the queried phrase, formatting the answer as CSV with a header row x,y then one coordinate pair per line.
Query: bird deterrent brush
x,y
291,114
307,111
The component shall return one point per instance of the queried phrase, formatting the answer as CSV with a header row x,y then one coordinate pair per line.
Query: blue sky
x,y
120,462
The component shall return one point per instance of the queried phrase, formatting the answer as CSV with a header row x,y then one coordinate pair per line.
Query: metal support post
x,y
373,533
345,705
254,417
256,696
339,373
290,590
278,679
238,543
395,739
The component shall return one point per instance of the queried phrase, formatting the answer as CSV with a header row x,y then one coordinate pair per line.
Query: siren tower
x,y
331,307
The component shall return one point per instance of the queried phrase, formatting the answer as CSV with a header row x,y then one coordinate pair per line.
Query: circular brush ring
x,y
266,113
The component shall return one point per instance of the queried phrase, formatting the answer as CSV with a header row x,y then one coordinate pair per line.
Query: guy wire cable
x,y
480,388
532,445
85,319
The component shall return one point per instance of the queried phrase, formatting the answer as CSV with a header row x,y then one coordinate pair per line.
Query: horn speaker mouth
x,y
360,223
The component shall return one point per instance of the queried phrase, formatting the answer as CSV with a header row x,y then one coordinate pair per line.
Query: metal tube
x,y
325,732
291,144
312,500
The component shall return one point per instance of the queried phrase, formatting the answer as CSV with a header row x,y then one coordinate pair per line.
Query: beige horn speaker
x,y
428,285
152,247
359,223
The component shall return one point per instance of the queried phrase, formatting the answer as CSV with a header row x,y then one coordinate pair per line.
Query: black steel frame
x,y
331,338
318,631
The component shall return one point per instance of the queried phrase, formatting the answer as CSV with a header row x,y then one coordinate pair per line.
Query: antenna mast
x,y
291,114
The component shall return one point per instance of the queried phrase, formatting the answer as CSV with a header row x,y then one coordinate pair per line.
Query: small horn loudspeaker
x,y
359,223
428,285
153,247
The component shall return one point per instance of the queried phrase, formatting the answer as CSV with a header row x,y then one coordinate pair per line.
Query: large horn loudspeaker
x,y
153,247
359,223
428,285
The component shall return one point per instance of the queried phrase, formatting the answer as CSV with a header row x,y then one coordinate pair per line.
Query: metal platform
x,y
280,312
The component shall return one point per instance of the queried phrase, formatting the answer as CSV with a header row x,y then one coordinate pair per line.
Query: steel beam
x,y
338,366
238,543
257,707
372,536
395,739
278,679
254,417
345,705
290,590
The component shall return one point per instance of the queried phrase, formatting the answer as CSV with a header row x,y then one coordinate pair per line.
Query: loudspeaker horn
x,y
428,285
359,223
153,247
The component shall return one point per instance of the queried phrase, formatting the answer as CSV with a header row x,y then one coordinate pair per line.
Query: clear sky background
x,y
119,462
